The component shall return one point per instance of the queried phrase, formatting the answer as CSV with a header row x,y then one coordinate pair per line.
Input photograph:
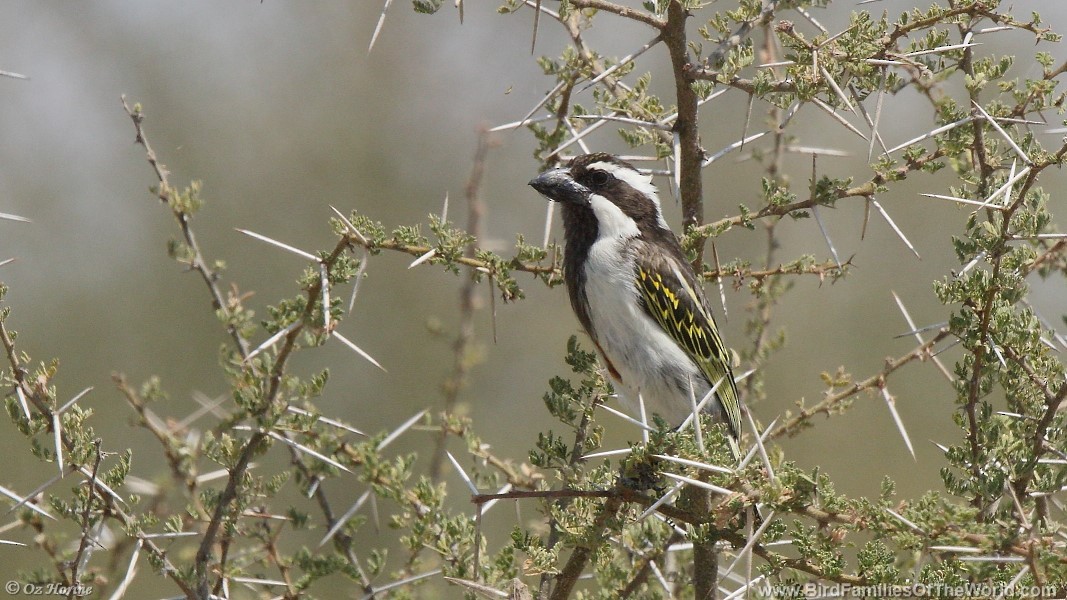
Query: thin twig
x,y
468,300
165,193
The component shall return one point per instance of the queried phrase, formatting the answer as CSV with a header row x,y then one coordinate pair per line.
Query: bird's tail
x,y
735,450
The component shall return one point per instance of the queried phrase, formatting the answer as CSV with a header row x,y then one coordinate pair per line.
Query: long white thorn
x,y
577,138
816,150
26,501
485,507
77,397
302,448
819,26
324,283
463,474
627,120
891,403
762,449
830,111
662,500
644,417
517,124
527,119
874,123
703,402
900,234
825,235
959,200
340,522
718,280
790,112
695,464
700,484
549,213
697,429
931,134
348,225
400,430
917,331
755,449
939,49
767,520
1007,190
676,169
325,420
1006,186
281,245
618,452
444,209
377,590
671,117
480,589
100,485
732,147
272,339
905,521
378,27
131,572
57,434
974,261
432,252
22,402
11,217
357,279
1003,133
357,349
838,91
644,427
622,62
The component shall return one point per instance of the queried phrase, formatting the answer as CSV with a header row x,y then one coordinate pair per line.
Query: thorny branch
x,y
468,300
616,498
166,192
622,11
86,518
254,442
252,445
37,394
672,32
832,401
686,124
555,274
865,190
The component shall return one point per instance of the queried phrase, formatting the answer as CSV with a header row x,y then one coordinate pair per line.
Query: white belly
x,y
647,359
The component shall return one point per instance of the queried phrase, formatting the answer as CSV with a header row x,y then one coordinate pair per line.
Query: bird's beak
x,y
557,184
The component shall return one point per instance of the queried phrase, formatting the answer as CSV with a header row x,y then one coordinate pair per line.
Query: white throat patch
x,y
611,221
639,182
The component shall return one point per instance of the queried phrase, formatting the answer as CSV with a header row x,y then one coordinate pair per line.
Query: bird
x,y
635,294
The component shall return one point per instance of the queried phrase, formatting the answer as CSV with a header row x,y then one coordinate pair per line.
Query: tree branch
x,y
832,401
166,194
686,124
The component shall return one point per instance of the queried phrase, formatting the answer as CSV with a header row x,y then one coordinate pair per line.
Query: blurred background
x,y
279,109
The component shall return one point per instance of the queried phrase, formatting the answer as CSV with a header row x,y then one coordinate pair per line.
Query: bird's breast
x,y
648,361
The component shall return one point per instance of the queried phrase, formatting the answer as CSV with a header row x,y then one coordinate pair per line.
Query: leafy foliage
x,y
997,522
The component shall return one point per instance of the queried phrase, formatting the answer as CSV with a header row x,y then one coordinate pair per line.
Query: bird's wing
x,y
673,298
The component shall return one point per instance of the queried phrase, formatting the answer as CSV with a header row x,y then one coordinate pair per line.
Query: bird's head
x,y
605,188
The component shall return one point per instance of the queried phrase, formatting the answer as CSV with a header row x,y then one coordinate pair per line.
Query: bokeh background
x,y
279,109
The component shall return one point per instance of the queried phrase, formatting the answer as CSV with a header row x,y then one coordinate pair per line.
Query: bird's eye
x,y
598,179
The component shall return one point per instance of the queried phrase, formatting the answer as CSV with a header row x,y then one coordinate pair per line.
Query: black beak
x,y
557,184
